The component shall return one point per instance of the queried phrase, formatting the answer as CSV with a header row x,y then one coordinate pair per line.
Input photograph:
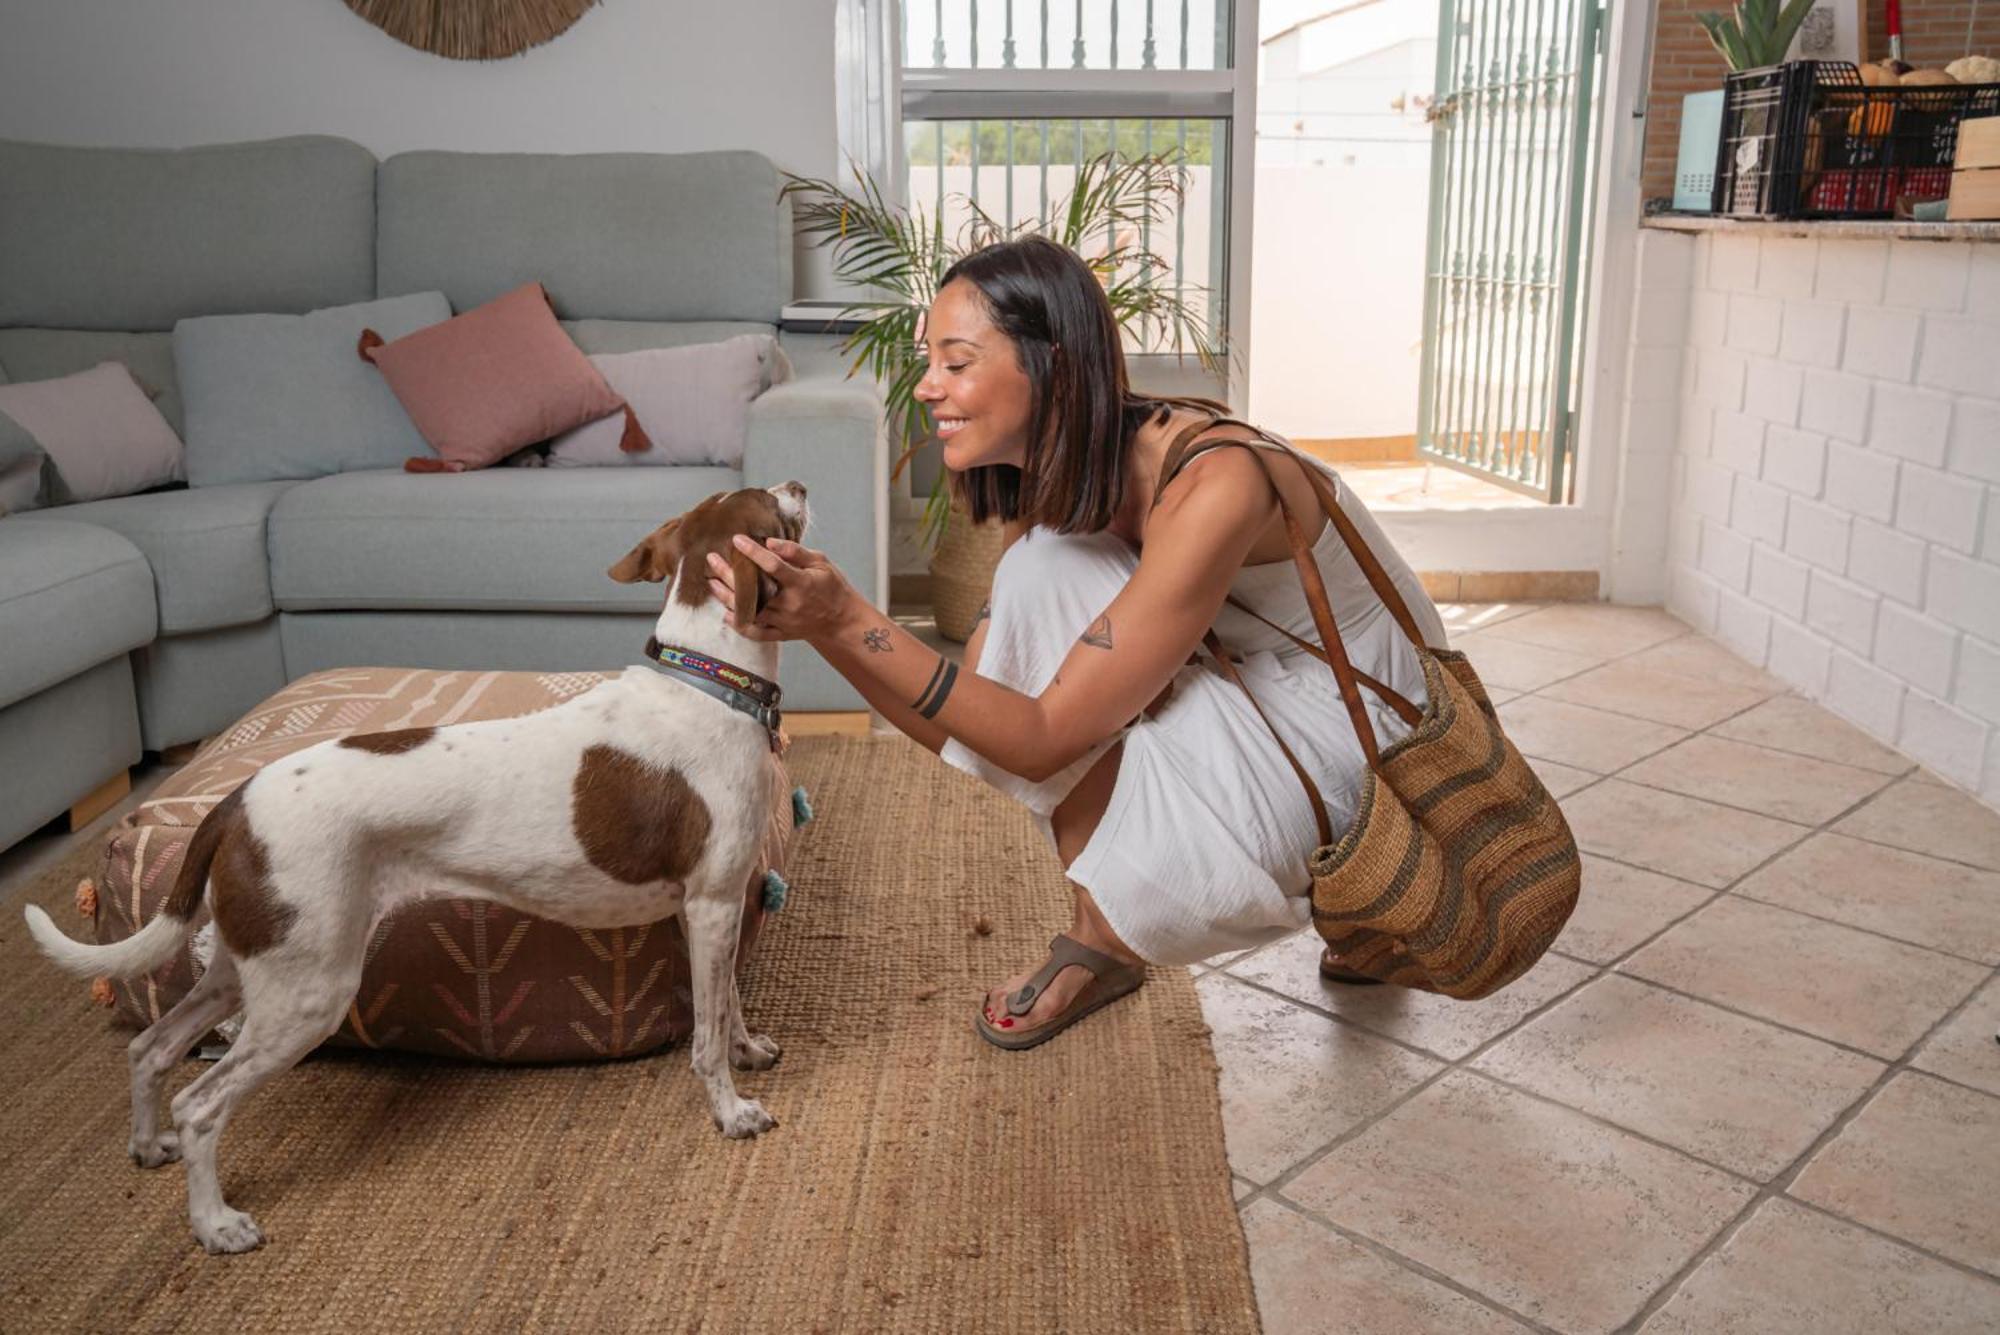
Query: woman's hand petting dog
x,y
813,599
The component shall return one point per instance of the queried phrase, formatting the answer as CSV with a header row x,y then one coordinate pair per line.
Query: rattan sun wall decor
x,y
472,29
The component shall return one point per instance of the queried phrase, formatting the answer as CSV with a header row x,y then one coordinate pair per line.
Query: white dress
x,y
1203,846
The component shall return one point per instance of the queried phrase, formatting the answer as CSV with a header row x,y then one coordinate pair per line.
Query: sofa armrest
x,y
827,433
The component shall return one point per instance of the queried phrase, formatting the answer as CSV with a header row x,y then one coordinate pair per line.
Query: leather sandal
x,y
1329,969
1110,979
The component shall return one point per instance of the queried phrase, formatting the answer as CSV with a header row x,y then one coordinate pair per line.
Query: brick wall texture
x,y
1684,62
1836,498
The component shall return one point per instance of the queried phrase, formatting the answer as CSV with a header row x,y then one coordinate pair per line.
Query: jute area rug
x,y
918,1180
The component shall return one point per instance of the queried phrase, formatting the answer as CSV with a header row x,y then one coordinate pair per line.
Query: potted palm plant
x,y
894,255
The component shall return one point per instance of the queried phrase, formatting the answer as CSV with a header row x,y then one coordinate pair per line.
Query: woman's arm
x,y
1195,543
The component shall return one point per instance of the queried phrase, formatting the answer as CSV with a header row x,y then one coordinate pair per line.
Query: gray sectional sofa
x,y
154,620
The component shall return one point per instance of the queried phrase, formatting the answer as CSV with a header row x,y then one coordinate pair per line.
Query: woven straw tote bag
x,y
1459,869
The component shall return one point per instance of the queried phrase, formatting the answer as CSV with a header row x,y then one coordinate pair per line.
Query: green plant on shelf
x,y
1757,33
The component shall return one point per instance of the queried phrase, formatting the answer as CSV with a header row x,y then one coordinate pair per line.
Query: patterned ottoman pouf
x,y
452,976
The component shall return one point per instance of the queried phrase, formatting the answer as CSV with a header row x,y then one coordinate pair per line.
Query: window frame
x,y
876,95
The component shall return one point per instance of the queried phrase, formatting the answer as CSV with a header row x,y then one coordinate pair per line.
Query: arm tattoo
x,y
932,700
1099,634
877,641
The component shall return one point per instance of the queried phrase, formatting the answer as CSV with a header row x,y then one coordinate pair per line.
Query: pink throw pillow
x,y
489,382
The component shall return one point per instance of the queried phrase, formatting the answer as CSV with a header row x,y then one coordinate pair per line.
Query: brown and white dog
x,y
636,800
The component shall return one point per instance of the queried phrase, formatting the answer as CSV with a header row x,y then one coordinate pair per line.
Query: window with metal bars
x,y
963,107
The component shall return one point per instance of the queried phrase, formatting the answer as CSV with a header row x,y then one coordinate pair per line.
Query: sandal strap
x,y
1063,952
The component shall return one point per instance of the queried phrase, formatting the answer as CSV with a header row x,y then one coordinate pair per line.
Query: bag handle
x,y
1313,796
1406,711
1185,449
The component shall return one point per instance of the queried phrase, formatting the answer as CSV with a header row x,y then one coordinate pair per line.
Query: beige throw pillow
x,y
100,431
693,401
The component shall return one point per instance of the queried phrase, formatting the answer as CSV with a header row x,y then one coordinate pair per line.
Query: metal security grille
x,y
1511,170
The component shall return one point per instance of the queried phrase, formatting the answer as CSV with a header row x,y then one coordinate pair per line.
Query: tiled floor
x,y
1756,1089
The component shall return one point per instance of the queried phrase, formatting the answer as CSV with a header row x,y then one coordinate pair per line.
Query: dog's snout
x,y
792,488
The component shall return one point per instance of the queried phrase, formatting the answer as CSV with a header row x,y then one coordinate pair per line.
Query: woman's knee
x,y
1074,575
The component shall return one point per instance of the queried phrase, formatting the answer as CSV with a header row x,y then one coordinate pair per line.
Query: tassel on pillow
x,y
634,440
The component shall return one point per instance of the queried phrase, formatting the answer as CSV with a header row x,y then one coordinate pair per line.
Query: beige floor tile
x,y
1968,1049
1585,738
1291,1080
1464,618
1312,1281
1804,728
1514,666
1929,818
1564,1220
1421,1019
1681,836
1736,1092
1659,697
1944,905
1794,1269
1560,780
1599,630
1703,659
1241,1188
1621,906
1919,1163
1762,780
1876,995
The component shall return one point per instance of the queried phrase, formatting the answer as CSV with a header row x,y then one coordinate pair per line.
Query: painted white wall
x,y
631,75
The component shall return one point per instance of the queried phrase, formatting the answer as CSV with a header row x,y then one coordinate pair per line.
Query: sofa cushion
x,y
44,354
595,336
693,402
99,429
123,238
494,380
507,539
205,546
71,596
621,236
285,396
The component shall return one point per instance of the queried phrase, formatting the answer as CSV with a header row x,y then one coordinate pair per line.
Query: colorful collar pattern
x,y
742,691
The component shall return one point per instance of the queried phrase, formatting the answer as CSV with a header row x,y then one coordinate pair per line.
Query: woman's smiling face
x,y
975,387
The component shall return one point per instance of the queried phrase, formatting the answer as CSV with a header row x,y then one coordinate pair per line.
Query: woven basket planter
x,y
962,574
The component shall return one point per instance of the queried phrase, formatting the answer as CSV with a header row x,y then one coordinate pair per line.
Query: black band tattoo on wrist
x,y
877,640
935,694
1099,634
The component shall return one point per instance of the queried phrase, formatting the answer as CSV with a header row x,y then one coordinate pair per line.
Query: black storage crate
x,y
1809,140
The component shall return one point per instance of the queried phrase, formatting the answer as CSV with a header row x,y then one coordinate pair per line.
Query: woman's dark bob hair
x,y
1045,298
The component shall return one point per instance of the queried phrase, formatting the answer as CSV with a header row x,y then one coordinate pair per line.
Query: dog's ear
x,y
751,583
653,560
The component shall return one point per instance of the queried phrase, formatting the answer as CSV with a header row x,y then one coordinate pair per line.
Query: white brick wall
x,y
1836,512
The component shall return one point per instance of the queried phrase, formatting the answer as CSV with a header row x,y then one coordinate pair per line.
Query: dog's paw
x,y
228,1231
160,1151
757,1052
745,1120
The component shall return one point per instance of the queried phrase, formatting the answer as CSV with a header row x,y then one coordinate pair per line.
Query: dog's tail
x,y
154,944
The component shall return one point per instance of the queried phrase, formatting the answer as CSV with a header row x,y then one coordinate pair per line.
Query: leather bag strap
x,y
1313,796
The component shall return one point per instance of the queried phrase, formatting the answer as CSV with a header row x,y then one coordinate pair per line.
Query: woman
x,y
1183,828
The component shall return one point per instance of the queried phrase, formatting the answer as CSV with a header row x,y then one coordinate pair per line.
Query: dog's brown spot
x,y
248,912
389,743
636,822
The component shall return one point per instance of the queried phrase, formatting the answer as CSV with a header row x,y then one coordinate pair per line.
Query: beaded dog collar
x,y
742,691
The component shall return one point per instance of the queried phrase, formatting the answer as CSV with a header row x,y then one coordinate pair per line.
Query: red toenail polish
x,y
1007,1024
